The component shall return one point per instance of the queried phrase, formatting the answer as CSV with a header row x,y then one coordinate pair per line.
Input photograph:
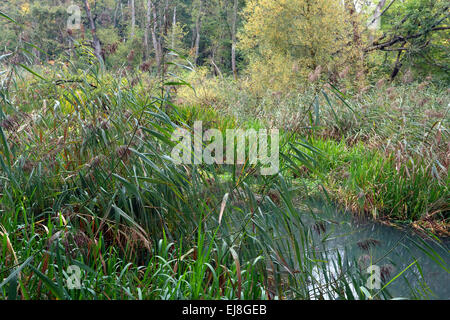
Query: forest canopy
x,y
289,38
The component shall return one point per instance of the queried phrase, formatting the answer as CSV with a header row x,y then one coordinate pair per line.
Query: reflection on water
x,y
392,250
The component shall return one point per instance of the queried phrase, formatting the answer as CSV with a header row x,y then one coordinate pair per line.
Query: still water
x,y
393,250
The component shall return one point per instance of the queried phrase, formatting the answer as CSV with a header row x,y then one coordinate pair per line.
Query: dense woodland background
x,y
285,39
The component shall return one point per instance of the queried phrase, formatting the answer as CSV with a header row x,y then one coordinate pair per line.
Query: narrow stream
x,y
393,250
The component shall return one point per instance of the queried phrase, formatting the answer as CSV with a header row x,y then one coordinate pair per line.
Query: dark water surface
x,y
393,250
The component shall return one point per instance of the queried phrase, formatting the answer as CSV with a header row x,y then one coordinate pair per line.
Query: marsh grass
x,y
87,180
382,151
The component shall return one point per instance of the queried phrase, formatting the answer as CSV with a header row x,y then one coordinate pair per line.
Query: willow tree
x,y
287,40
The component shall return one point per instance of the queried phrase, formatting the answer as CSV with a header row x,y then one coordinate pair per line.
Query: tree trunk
x,y
96,41
398,64
198,26
376,21
133,18
116,11
233,39
174,24
148,20
166,18
156,41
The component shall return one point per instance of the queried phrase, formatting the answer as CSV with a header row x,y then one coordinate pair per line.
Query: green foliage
x,y
282,42
420,27
86,178
389,143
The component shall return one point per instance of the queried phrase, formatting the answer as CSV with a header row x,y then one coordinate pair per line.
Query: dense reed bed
x,y
87,181
382,150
